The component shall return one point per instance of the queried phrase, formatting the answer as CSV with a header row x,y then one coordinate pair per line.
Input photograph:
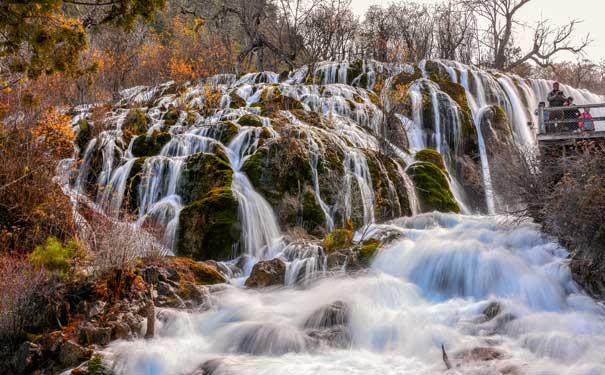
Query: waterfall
x,y
261,237
478,105
356,169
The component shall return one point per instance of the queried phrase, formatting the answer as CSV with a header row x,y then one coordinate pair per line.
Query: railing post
x,y
541,127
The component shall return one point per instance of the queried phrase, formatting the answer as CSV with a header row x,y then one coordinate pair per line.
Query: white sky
x,y
559,11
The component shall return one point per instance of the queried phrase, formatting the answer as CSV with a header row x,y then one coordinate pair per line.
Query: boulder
x,y
72,353
329,324
336,313
27,357
93,334
492,310
432,188
267,273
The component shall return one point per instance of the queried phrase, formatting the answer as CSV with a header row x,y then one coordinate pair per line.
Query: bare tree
x,y
330,30
501,20
455,26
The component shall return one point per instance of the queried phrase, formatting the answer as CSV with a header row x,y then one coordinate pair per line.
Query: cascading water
x,y
433,287
474,284
261,237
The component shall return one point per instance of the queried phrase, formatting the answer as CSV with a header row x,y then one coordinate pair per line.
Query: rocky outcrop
x,y
267,273
89,314
432,185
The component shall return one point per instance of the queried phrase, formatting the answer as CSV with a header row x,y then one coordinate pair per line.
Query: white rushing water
x,y
423,291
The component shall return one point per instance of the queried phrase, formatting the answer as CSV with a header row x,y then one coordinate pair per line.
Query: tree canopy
x,y
46,36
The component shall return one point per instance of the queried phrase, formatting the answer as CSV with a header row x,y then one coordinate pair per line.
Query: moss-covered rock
x,y
201,173
312,214
431,156
132,184
150,145
209,228
236,101
368,249
135,123
275,101
84,135
170,117
250,120
339,239
405,78
188,270
432,188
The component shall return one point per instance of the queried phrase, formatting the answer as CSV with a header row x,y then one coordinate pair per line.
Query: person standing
x,y
556,98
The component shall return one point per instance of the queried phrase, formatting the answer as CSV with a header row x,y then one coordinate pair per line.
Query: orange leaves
x,y
55,131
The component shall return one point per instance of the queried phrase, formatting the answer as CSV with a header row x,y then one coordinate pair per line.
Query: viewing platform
x,y
571,126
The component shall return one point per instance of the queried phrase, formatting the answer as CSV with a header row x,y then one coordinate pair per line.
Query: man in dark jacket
x,y
556,98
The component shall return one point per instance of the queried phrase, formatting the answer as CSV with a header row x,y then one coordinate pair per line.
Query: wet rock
x,y
96,309
27,357
209,367
119,330
492,310
267,273
164,289
334,314
96,335
192,292
479,354
337,337
328,325
72,354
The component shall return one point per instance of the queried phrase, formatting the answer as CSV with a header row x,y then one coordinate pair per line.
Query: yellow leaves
x,y
213,96
55,131
180,70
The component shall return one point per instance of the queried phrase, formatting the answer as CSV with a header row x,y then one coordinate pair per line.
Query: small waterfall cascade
x,y
432,287
478,105
261,237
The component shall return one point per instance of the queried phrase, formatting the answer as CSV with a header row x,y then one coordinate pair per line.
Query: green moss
x,y
431,156
190,119
209,228
275,103
432,187
135,123
312,214
355,71
368,249
236,101
250,120
339,239
200,174
151,145
84,135
226,131
374,99
170,117
132,185
428,117
95,367
405,78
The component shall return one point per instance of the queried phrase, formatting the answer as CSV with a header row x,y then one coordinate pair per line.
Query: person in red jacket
x,y
587,124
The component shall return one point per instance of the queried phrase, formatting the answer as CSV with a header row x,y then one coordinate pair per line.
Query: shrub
x,y
55,256
20,282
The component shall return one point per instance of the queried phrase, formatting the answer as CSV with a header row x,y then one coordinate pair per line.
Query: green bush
x,y
54,255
